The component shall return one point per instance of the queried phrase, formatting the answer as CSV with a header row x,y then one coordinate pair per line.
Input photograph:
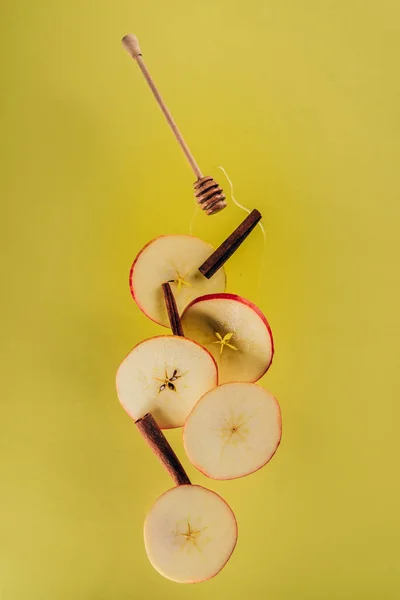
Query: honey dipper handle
x,y
131,45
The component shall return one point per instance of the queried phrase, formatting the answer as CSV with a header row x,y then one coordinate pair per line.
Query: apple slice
x,y
173,258
190,534
236,333
233,430
165,376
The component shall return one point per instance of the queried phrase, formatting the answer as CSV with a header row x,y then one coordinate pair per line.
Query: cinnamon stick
x,y
172,310
157,441
230,245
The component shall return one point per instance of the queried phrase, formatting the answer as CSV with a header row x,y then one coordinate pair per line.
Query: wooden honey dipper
x,y
208,193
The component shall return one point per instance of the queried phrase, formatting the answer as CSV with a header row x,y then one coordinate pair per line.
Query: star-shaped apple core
x,y
224,341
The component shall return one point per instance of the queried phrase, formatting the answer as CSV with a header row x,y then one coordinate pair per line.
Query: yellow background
x,y
299,101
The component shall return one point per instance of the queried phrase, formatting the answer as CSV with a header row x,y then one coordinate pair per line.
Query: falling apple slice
x,y
236,333
190,534
233,430
173,258
165,376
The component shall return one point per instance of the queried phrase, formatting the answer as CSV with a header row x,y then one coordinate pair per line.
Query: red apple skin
x,y
236,527
228,296
132,289
254,470
164,336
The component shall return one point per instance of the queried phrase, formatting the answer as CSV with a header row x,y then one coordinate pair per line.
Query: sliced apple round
x,y
176,259
233,430
165,375
236,333
190,534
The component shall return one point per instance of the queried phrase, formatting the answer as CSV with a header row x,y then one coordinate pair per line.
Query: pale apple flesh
x,y
175,259
165,376
234,430
236,333
190,534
